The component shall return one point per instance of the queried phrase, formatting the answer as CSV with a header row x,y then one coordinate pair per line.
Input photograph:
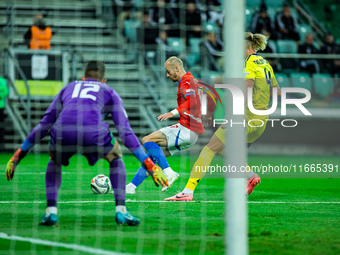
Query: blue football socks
x,y
139,177
140,154
157,154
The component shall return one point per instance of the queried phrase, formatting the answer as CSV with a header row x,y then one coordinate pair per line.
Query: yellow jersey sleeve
x,y
250,71
273,79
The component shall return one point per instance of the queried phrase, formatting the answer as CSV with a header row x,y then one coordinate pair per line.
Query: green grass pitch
x,y
169,227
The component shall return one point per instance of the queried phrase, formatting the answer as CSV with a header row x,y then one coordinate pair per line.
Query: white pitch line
x,y
162,201
287,202
75,173
57,244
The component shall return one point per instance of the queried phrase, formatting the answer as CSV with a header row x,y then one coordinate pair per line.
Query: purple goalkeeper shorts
x,y
93,146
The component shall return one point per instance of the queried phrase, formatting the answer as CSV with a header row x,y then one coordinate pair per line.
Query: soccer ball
x,y
101,184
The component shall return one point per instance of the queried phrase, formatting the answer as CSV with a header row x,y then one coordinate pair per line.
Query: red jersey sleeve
x,y
189,95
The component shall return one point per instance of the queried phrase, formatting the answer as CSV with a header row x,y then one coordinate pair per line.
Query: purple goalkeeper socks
x,y
52,182
118,180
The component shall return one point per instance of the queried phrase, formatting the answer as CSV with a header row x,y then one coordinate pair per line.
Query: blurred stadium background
x,y
135,37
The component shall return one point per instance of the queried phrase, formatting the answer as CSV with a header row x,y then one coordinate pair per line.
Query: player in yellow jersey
x,y
260,77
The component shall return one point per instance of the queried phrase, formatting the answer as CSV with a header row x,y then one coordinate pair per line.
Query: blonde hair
x,y
256,41
174,61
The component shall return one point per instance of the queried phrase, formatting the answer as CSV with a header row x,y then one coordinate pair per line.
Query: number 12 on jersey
x,y
80,92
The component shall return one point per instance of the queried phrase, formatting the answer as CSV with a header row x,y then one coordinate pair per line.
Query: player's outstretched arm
x,y
165,116
13,162
38,133
180,109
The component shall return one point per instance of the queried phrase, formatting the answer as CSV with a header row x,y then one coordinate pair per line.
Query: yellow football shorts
x,y
256,127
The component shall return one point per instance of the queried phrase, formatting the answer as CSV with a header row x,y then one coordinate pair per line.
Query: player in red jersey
x,y
169,140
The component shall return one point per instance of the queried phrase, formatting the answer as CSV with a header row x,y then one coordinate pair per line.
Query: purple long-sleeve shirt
x,y
78,109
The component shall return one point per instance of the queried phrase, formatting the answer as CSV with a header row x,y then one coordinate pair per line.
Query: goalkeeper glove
x,y
13,162
156,172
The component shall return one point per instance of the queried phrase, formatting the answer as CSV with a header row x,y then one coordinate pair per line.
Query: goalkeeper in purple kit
x,y
75,124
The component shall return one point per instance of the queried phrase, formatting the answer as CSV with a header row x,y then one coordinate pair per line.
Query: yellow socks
x,y
202,163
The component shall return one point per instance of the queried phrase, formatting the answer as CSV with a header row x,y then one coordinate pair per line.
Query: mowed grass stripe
x,y
278,222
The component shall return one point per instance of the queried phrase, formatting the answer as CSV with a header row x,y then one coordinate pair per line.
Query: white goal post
x,y
235,152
